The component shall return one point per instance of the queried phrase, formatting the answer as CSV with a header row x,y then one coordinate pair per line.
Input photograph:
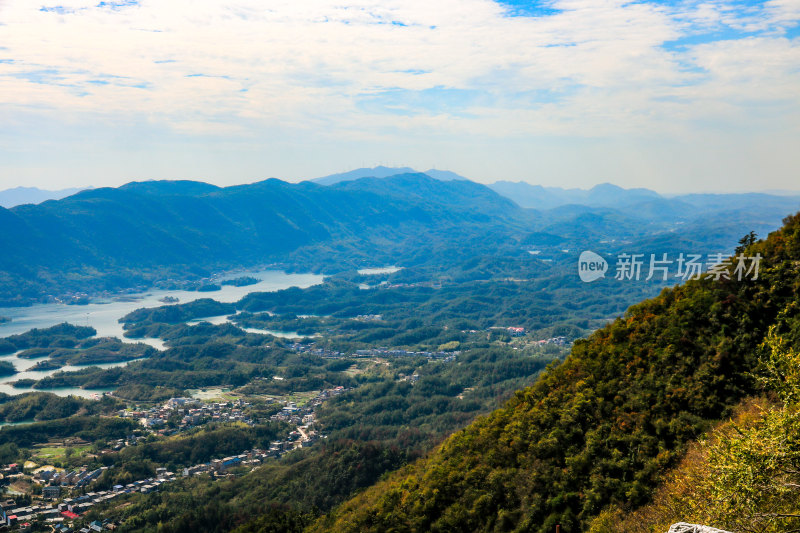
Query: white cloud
x,y
361,69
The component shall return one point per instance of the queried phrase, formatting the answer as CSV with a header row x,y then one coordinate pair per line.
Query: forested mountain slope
x,y
601,428
114,238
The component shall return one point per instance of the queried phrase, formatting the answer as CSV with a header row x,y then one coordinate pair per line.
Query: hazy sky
x,y
672,95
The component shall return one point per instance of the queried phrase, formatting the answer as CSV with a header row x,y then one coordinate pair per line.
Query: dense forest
x,y
600,429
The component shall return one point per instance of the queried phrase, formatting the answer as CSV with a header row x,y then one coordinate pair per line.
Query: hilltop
x,y
383,172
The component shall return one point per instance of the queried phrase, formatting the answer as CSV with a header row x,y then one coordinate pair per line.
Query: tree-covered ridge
x,y
602,427
745,474
111,238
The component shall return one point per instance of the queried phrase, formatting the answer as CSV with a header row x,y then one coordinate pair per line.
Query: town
x,y
63,497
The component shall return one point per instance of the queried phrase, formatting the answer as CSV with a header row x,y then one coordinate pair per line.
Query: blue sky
x,y
672,95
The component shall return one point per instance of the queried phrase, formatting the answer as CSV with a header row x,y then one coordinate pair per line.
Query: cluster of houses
x,y
558,341
293,414
61,515
54,479
250,458
513,331
312,349
389,352
369,318
71,508
520,332
51,478
69,298
94,526
21,517
193,412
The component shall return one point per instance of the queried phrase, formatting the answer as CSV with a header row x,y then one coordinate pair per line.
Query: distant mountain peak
x,y
170,187
33,195
601,195
606,187
384,172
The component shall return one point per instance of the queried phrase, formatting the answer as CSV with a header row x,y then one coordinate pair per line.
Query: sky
x,y
677,96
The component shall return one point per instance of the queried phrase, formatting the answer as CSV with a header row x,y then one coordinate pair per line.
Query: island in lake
x,y
7,368
25,383
242,281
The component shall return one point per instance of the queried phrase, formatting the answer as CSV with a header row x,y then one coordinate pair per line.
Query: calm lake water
x,y
379,270
103,315
223,319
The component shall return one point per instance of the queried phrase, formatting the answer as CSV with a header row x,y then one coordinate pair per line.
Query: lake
x,y
223,319
103,315
379,270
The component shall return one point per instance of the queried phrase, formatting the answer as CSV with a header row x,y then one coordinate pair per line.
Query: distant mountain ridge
x,y
384,172
539,197
604,195
608,195
32,195
522,193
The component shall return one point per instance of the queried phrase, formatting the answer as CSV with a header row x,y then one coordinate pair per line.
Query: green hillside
x,y
111,238
603,427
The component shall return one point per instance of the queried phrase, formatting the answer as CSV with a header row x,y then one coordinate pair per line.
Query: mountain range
x,y
522,193
639,200
112,238
108,237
